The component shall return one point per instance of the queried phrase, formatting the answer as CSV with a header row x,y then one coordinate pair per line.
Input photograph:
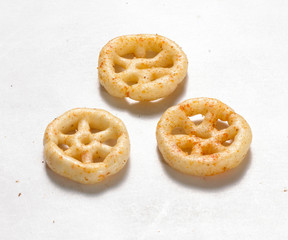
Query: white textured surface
x,y
237,52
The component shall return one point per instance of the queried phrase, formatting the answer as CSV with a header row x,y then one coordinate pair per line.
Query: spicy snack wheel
x,y
143,67
86,145
204,149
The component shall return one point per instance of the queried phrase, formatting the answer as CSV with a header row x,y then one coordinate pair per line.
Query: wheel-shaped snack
x,y
86,145
143,67
205,148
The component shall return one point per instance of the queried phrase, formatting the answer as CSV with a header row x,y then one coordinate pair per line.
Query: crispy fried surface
x,y
143,67
205,148
86,145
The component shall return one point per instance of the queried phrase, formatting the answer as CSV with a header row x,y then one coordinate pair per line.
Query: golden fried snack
x,y
86,145
143,67
205,148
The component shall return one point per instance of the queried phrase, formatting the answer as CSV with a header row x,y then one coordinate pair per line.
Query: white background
x,y
238,53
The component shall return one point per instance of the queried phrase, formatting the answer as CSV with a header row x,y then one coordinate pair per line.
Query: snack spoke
x,y
104,149
209,120
87,157
219,147
197,149
226,134
144,77
124,62
182,139
103,135
83,126
72,151
189,126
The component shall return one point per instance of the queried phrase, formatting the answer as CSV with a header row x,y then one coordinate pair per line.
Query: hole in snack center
x,y
71,127
148,54
71,132
98,159
86,140
110,142
210,149
64,147
186,148
95,130
197,119
228,142
99,156
168,63
132,79
151,54
118,68
178,131
129,56
220,125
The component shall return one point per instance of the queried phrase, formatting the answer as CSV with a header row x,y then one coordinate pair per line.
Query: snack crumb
x,y
19,194
285,190
53,221
17,181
